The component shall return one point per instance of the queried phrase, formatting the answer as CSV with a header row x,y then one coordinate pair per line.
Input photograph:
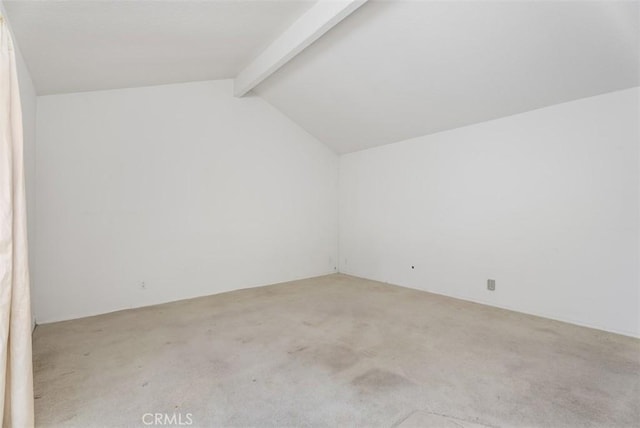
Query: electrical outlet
x,y
491,284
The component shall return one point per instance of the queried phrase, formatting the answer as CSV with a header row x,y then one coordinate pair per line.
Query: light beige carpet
x,y
333,351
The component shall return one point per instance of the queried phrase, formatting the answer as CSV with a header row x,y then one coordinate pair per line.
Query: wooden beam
x,y
322,16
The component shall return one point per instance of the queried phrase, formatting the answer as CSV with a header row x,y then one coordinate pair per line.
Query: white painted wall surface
x,y
29,104
181,187
545,202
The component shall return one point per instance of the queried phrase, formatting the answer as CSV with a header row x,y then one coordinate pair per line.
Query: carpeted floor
x,y
332,351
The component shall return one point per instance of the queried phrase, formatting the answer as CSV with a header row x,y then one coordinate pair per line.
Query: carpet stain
x,y
377,380
336,357
298,349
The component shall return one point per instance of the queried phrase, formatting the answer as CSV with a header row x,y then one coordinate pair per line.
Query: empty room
x,y
319,213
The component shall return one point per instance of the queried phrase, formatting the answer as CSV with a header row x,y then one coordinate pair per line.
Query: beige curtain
x,y
16,375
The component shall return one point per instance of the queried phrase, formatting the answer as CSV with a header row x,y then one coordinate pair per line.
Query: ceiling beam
x,y
322,16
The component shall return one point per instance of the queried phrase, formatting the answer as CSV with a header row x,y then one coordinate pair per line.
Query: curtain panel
x,y
16,372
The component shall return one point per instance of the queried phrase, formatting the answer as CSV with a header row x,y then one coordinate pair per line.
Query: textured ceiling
x,y
396,70
390,71
73,46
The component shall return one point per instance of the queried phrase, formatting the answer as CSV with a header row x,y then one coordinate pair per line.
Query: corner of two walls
x,y
156,194
545,202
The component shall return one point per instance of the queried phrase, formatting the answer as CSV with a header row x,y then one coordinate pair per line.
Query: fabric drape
x,y
16,372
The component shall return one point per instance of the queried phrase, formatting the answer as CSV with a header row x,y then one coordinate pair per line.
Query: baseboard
x,y
162,301
508,308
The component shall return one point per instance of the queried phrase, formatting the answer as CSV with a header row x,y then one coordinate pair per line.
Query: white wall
x,y
181,187
28,100
545,202
194,192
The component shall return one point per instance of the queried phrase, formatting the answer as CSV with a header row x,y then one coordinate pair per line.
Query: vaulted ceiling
x,y
85,45
401,69
388,71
